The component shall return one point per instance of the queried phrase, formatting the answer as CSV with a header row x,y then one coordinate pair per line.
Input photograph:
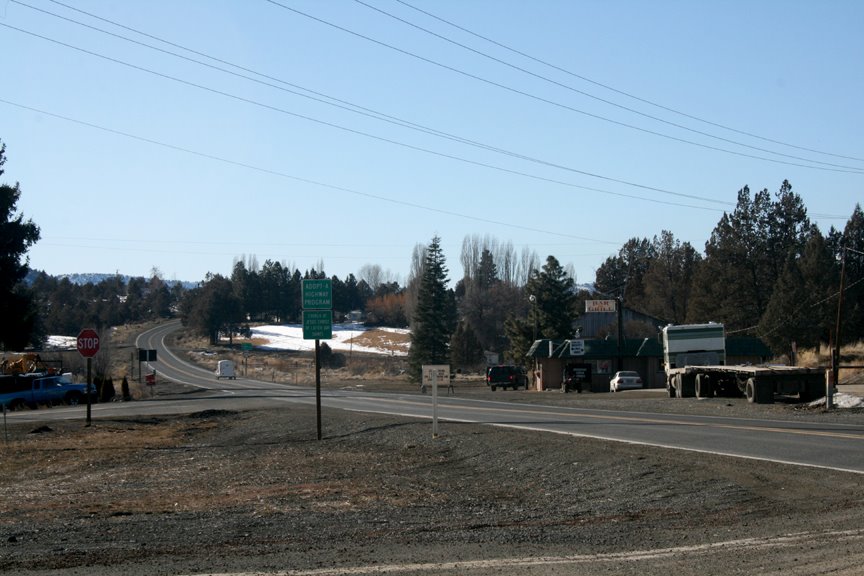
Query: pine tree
x,y
801,309
19,326
669,278
624,275
745,256
465,349
434,317
851,249
554,311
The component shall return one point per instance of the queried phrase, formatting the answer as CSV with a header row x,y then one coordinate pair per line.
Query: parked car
x,y
625,380
506,376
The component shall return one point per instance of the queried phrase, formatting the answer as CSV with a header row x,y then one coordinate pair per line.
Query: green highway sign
x,y
317,294
317,324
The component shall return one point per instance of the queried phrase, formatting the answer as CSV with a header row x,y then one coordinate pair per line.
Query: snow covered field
x,y
346,338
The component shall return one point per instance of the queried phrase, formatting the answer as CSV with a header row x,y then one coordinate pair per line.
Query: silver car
x,y
625,380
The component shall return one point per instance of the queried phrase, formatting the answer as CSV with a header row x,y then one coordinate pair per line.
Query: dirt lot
x,y
255,492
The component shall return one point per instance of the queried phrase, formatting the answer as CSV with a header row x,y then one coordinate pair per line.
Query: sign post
x,y
433,374
317,295
88,346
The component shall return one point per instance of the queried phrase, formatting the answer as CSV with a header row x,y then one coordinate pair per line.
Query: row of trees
x,y
766,271
272,294
66,307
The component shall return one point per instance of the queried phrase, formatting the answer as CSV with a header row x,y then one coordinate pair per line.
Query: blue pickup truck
x,y
33,389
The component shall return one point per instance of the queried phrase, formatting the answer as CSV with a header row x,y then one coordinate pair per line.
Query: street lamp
x,y
533,299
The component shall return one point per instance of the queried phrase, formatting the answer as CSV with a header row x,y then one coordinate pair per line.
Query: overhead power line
x,y
396,142
280,174
824,165
345,105
592,96
349,106
622,92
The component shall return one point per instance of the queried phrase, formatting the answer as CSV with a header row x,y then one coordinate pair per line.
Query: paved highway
x,y
826,445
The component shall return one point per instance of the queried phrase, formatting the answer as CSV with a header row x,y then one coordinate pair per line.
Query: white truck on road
x,y
694,359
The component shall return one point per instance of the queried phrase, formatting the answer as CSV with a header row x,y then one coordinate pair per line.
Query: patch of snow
x,y
841,400
62,342
290,337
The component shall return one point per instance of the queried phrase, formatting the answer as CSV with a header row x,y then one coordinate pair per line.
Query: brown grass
x,y
850,355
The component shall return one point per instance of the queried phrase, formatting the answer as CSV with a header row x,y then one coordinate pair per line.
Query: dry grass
x,y
850,355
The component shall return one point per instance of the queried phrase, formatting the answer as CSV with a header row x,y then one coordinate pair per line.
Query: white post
x,y
434,403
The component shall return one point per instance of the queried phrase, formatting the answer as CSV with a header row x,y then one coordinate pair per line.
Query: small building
x,y
597,360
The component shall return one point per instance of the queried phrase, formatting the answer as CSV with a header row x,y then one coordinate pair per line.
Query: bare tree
x,y
372,274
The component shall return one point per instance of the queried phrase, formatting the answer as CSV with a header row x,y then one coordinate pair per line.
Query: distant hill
x,y
95,278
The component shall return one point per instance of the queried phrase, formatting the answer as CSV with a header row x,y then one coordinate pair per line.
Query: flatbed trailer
x,y
758,384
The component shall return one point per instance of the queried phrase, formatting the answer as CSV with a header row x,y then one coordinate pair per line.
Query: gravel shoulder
x,y
254,492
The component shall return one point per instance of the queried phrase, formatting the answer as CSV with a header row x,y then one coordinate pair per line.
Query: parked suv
x,y
506,376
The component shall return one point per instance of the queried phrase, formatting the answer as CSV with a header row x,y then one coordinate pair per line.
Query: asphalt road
x,y
826,445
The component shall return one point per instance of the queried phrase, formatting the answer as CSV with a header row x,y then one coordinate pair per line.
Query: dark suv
x,y
506,376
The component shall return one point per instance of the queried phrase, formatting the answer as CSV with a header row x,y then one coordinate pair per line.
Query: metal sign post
x,y
88,346
317,298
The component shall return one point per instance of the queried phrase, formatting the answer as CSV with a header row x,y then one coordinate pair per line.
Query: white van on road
x,y
225,369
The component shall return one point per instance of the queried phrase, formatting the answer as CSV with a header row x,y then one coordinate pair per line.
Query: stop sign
x,y
88,343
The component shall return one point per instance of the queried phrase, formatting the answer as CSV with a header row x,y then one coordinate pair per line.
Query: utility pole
x,y
619,304
835,350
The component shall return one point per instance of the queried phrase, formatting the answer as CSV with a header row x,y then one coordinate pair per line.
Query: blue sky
x,y
651,117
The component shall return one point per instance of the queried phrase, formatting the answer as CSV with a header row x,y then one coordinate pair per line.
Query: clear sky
x,y
347,132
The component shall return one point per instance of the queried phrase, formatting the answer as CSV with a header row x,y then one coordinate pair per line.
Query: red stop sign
x,y
88,343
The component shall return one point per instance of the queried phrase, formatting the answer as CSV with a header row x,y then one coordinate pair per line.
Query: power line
x,y
828,167
622,92
592,96
362,111
303,180
349,106
391,141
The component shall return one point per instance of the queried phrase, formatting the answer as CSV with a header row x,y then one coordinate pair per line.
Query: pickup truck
x,y
506,376
33,389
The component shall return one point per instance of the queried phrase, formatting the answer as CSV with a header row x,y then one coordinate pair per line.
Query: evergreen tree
x,y
850,248
485,302
802,307
554,310
20,321
624,275
465,349
434,317
212,308
669,278
736,279
520,337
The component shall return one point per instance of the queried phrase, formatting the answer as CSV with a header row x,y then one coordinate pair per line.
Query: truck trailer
x,y
694,359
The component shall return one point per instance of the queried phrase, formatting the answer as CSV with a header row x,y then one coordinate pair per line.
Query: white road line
x,y
463,567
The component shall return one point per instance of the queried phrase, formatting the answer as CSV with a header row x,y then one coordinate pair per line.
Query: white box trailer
x,y
694,358
225,369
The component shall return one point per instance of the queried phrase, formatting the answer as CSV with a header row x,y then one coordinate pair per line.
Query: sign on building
x,y
600,306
